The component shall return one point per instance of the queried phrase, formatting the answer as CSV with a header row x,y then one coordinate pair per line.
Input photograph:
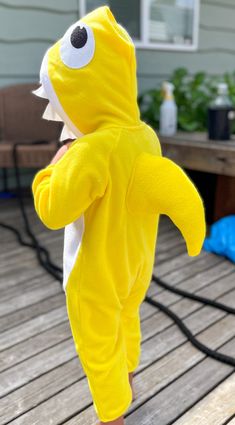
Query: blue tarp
x,y
222,238
7,195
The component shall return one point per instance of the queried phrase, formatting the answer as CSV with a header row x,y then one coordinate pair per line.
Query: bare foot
x,y
131,383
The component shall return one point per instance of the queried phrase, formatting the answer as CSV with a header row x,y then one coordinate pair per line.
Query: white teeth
x,y
50,114
40,92
67,134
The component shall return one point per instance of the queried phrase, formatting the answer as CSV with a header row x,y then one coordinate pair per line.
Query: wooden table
x,y
195,151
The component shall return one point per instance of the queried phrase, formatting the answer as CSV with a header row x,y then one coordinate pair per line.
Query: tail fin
x,y
159,186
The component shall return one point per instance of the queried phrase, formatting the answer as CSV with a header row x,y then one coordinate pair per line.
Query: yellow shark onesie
x,y
108,192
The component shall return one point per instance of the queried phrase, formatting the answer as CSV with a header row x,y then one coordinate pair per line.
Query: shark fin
x,y
159,186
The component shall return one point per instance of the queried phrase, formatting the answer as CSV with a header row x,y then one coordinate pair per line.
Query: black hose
x,y
45,261
41,252
194,297
186,331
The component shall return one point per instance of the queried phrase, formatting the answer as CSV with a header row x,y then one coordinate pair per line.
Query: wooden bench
x,y
195,151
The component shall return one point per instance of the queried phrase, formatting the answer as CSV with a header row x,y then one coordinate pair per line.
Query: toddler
x,y
107,189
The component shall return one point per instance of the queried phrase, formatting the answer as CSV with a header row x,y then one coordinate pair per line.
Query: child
x,y
107,189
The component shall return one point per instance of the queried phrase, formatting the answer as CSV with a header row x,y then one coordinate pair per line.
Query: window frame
x,y
145,43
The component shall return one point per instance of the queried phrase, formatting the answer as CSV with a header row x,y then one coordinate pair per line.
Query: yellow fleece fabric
x,y
114,178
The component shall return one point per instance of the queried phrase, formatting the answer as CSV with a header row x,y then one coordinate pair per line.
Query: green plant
x,y
193,93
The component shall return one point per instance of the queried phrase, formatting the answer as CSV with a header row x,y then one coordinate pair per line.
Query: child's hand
x,y
60,153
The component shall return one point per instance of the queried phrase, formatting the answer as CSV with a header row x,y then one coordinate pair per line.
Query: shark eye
x,y
78,37
77,46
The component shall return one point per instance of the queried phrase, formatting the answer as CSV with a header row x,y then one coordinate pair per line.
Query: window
x,y
155,24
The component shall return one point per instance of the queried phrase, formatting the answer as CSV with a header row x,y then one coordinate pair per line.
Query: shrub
x,y
193,93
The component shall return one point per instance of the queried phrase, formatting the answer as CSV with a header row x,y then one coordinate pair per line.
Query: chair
x,y
20,121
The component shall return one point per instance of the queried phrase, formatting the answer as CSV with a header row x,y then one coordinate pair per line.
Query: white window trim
x,y
144,42
82,7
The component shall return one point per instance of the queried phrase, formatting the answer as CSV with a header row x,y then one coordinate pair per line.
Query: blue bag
x,y
222,238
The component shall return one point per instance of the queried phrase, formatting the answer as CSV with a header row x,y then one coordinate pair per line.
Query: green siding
x,y
28,27
216,50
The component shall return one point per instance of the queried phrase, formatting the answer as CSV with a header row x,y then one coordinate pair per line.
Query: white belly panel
x,y
72,241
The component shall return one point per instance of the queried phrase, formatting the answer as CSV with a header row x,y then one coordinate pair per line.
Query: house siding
x,y
28,27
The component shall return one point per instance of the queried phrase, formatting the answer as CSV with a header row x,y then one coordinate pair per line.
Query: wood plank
x,y
54,5
53,243
217,407
217,16
187,310
8,293
158,377
174,249
222,3
26,314
14,57
215,39
17,271
28,330
26,267
172,401
54,327
25,372
196,152
46,386
31,297
33,327
172,335
33,26
202,277
213,62
51,405
52,334
160,345
59,407
222,268
14,60
10,214
182,266
193,354
36,381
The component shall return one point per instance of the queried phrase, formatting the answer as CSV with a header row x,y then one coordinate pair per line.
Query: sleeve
x,y
64,190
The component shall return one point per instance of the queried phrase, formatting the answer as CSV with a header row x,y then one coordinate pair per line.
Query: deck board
x,y
218,405
41,378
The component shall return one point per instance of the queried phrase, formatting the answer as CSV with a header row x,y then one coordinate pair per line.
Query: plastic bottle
x,y
220,114
168,111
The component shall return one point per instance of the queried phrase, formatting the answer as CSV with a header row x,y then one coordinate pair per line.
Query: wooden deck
x,y
41,379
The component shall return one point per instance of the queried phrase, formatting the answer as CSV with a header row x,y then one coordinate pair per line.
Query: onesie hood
x,y
89,76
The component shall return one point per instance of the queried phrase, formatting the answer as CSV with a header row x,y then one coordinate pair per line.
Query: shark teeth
x,y
51,114
40,92
66,133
